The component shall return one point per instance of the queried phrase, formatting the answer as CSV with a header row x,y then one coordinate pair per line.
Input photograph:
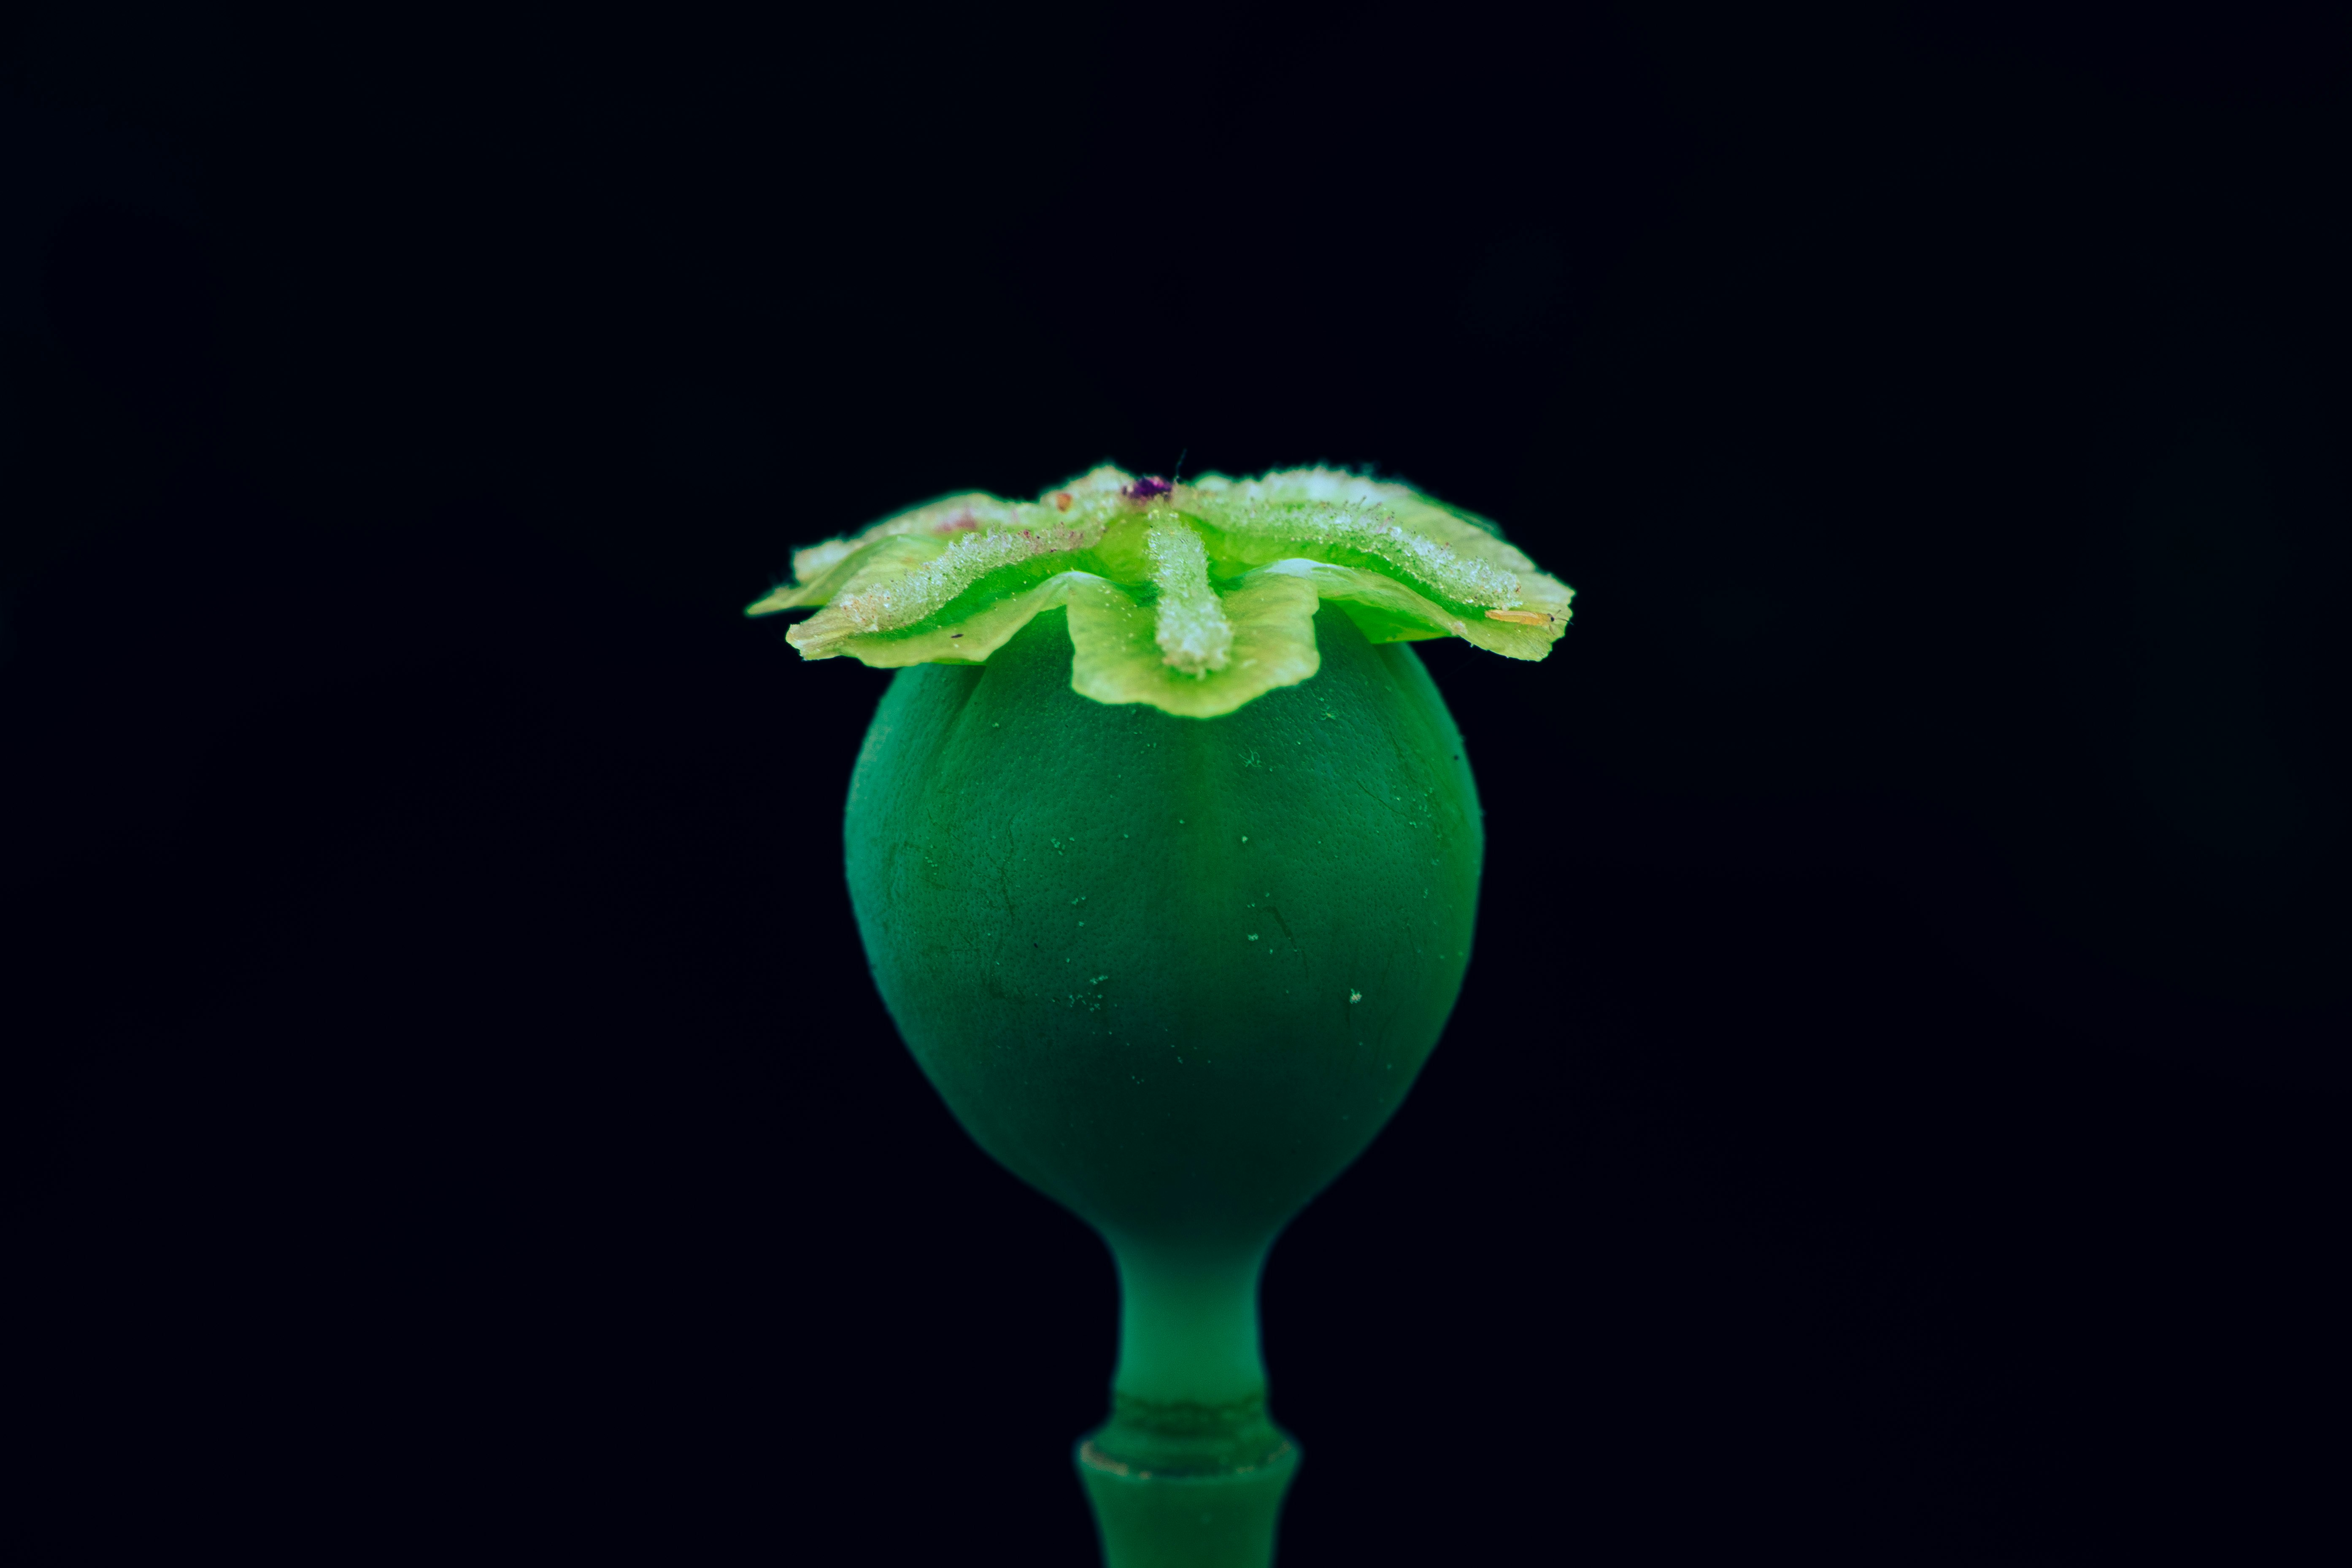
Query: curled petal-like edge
x,y
1390,611
1069,518
1117,658
1181,596
1113,636
969,639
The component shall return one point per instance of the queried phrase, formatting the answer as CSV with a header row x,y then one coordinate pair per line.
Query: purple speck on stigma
x,y
1149,487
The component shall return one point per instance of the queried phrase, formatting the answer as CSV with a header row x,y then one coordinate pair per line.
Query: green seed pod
x,y
1165,853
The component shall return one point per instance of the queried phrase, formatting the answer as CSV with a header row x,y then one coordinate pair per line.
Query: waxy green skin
x,y
1166,859
1175,972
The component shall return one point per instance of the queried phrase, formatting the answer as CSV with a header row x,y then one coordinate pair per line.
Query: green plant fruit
x,y
1165,852
1175,973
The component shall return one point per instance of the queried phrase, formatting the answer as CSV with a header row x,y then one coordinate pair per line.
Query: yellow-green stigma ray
x,y
1194,598
1189,624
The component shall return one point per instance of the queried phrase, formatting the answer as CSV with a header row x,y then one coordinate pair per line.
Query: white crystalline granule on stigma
x,y
1192,631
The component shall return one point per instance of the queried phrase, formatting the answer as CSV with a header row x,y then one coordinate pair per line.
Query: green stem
x,y
1188,1326
1189,1471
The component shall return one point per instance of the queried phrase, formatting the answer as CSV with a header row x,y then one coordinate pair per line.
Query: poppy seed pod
x,y
1165,852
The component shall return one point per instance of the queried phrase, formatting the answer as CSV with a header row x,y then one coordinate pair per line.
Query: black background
x,y
1894,1113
